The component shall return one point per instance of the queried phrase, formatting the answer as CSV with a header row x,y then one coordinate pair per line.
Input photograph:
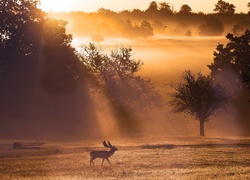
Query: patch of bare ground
x,y
137,158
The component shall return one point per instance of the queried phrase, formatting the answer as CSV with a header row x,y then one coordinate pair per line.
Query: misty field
x,y
137,158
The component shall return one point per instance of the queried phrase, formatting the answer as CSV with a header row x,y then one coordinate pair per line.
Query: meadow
x,y
190,157
150,157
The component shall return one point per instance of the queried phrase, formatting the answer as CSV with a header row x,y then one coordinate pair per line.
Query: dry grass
x,y
142,158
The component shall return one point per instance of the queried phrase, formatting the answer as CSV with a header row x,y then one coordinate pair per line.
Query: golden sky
x,y
205,6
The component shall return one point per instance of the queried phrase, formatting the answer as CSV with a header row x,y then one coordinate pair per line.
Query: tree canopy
x,y
231,65
114,75
198,97
37,62
223,7
185,9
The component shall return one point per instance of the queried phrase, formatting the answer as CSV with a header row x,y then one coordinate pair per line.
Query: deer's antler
x,y
110,144
106,145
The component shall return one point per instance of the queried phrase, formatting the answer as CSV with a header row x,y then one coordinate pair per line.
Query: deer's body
x,y
102,154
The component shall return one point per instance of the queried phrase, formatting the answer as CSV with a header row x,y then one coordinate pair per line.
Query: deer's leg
x,y
102,161
92,161
108,161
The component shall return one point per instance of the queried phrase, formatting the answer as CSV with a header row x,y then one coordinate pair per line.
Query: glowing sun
x,y
55,5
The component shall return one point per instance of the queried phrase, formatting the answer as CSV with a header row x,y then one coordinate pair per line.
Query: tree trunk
x,y
202,132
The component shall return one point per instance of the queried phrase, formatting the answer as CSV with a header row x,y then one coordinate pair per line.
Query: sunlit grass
x,y
132,161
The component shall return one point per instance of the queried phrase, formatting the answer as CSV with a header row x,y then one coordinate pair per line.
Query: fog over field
x,y
165,58
155,93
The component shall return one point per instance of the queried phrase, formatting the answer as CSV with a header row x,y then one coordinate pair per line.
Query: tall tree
x,y
17,37
223,7
198,97
231,68
38,69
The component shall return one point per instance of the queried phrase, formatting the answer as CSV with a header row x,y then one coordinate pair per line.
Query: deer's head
x,y
108,145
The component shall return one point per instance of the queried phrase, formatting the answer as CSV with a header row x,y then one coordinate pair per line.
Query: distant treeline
x,y
157,19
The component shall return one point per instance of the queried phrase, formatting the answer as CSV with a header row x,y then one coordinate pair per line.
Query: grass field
x,y
137,158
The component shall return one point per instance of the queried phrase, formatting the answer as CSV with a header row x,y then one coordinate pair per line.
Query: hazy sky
x,y
205,6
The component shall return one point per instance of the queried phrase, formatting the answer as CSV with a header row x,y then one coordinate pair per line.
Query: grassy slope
x,y
140,158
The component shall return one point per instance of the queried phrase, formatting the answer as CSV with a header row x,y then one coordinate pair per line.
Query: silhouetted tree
x,y
114,76
40,76
17,37
198,97
223,7
185,9
211,27
231,62
231,68
165,8
153,6
61,71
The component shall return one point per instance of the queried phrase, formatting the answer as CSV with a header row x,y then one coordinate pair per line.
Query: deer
x,y
103,154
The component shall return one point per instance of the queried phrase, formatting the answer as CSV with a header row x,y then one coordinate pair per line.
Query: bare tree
x,y
198,97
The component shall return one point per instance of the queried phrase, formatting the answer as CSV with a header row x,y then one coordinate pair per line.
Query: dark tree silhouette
x,y
165,8
223,7
211,27
42,92
231,68
114,76
17,38
231,62
198,97
153,6
185,9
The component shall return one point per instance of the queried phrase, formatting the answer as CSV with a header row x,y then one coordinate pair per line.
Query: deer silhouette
x,y
103,154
